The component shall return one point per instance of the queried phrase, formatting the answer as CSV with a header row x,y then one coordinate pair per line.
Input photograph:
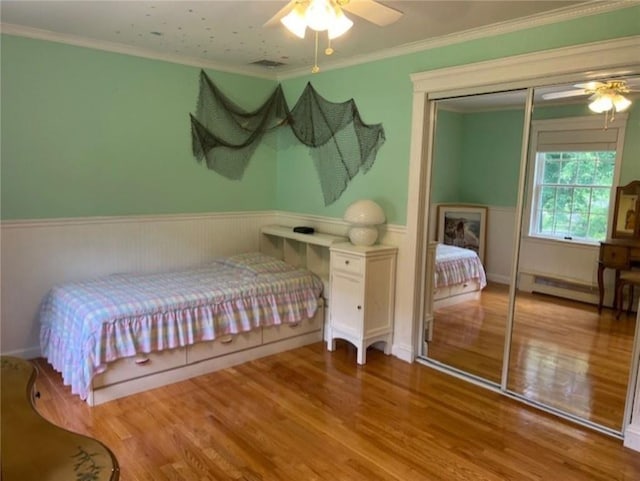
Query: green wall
x,y
383,92
91,133
447,158
87,132
477,155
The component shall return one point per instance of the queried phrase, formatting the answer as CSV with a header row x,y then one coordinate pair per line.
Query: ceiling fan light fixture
x,y
602,103
341,24
295,21
320,15
621,103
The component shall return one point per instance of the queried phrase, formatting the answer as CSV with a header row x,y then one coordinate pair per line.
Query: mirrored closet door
x,y
524,181
473,197
565,355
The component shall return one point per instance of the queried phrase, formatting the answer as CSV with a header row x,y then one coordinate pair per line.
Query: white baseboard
x,y
403,352
632,437
27,353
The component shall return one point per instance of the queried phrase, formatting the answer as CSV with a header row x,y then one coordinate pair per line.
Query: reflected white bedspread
x,y
455,265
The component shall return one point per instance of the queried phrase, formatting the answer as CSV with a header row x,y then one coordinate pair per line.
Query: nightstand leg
x,y
362,353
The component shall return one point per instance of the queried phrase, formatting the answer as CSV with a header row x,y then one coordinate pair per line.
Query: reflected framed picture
x,y
627,211
463,226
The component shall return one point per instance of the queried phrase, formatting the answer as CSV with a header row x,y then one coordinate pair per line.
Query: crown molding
x,y
591,61
595,7
76,41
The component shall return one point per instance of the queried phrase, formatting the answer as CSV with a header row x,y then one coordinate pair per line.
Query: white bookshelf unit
x,y
310,251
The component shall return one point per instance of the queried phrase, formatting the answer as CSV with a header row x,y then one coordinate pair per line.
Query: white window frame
x,y
594,123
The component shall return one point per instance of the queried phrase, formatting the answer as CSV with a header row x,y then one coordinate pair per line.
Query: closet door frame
x,y
569,64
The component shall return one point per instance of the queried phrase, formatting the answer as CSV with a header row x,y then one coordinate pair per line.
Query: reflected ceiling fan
x,y
328,15
607,96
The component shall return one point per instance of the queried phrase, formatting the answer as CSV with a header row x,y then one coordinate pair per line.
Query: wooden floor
x,y
308,414
564,354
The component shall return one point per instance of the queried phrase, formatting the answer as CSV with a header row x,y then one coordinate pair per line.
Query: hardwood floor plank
x,y
308,414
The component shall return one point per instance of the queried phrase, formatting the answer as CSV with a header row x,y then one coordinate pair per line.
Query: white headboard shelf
x,y
310,251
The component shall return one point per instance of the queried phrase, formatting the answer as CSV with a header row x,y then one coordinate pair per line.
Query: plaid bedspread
x,y
85,325
455,265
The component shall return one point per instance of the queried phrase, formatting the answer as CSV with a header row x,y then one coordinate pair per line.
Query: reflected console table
x,y
618,254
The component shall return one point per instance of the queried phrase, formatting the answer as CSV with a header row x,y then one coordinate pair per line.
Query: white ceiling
x,y
229,35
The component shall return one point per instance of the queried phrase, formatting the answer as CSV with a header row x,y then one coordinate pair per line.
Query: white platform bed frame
x,y
136,374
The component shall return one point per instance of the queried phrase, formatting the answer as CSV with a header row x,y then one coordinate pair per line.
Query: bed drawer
x,y
284,331
455,290
224,345
141,365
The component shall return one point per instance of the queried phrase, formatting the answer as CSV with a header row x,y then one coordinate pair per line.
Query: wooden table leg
x,y
600,286
615,289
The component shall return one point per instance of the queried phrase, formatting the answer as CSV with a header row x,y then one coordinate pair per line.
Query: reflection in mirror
x,y
627,211
474,191
564,354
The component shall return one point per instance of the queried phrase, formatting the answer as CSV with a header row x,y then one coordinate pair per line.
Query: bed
x,y
459,275
113,330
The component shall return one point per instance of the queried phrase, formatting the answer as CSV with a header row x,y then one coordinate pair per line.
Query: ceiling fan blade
x,y
564,94
372,11
275,20
590,85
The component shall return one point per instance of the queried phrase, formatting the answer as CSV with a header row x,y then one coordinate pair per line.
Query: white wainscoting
x,y
563,264
38,254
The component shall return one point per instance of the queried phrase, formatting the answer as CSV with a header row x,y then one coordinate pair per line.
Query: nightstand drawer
x,y
346,263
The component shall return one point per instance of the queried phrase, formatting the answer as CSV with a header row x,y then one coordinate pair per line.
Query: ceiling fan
x,y
370,10
607,96
328,15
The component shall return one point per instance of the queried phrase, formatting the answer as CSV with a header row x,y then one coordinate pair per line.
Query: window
x,y
575,170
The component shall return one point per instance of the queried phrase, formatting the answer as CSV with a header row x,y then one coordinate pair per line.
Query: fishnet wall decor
x,y
225,135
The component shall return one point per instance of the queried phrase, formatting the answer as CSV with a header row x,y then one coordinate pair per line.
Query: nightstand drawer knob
x,y
346,263
359,307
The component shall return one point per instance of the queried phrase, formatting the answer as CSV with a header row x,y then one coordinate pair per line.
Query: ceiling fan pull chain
x,y
315,68
328,50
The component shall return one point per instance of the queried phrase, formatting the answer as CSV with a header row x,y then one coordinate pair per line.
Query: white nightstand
x,y
362,296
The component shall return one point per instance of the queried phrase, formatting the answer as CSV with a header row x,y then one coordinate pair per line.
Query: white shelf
x,y
310,251
317,238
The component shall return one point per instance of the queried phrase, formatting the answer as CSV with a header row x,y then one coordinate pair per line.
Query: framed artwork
x,y
463,226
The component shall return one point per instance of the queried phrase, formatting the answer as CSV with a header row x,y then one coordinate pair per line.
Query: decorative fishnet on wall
x,y
226,135
342,144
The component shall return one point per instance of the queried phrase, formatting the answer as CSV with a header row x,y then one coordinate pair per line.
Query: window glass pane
x,y
546,223
579,225
597,226
600,201
548,198
581,200
604,168
574,194
586,170
564,199
551,169
569,169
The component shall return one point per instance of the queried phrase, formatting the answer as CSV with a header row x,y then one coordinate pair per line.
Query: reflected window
x,y
574,166
573,194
